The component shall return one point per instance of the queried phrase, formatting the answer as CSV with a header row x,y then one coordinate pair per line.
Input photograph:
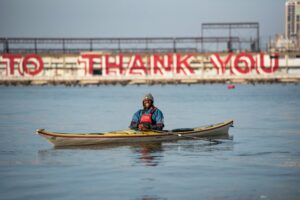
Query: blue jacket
x,y
157,118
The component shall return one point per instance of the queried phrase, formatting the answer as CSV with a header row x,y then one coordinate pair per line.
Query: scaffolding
x,y
117,45
231,27
138,44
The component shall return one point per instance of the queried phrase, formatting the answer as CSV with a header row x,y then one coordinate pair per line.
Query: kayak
x,y
133,136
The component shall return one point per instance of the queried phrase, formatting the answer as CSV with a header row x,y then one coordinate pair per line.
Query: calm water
x,y
262,161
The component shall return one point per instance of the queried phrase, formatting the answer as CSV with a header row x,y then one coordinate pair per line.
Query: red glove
x,y
143,127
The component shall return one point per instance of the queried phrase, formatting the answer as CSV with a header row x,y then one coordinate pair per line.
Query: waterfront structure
x,y
233,41
159,60
147,68
234,30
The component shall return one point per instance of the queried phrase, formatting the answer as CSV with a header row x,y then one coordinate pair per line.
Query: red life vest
x,y
147,118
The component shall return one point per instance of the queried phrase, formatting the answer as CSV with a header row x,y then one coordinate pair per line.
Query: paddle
x,y
198,138
189,137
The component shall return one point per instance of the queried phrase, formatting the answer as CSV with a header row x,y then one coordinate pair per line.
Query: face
x,y
147,103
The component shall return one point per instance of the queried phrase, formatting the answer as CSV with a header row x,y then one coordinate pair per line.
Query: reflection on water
x,y
151,198
149,153
199,146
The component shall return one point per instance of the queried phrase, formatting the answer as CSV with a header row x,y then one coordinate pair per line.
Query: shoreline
x,y
163,81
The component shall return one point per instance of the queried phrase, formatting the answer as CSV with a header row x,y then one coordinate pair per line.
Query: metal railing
x,y
150,44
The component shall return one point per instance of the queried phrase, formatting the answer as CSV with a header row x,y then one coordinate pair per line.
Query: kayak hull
x,y
133,136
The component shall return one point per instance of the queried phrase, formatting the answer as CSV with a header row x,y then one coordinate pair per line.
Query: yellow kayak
x,y
129,136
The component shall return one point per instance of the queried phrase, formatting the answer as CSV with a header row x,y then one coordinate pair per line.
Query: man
x,y
149,118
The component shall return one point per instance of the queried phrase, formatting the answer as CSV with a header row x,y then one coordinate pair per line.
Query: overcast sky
x,y
133,18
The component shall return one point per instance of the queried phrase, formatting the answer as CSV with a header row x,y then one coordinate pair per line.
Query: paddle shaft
x,y
190,137
199,138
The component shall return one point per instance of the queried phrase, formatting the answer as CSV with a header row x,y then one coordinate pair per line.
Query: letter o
x,y
34,60
247,59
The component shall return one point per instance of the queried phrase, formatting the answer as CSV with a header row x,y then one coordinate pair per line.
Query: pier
x,y
137,61
107,68
147,81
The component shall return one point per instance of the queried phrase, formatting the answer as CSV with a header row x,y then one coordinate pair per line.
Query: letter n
x,y
161,64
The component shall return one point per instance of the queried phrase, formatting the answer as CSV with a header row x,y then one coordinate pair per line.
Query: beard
x,y
147,105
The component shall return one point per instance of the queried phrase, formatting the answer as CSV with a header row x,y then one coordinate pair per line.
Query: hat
x,y
148,96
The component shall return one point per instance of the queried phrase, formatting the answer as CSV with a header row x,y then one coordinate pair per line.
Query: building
x,y
292,19
290,40
282,44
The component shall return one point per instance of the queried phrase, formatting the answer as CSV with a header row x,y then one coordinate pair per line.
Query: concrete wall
x,y
150,66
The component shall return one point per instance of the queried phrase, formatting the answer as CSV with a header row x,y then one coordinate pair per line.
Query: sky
x,y
133,18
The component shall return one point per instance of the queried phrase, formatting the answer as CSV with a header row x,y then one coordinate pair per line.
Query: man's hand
x,y
144,127
141,127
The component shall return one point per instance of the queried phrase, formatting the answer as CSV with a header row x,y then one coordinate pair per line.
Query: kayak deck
x,y
75,139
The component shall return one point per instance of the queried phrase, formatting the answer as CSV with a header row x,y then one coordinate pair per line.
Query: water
x,y
262,161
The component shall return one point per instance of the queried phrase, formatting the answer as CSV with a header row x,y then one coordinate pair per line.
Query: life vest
x,y
147,118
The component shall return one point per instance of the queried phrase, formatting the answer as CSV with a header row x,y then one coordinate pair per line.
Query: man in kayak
x,y
148,118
